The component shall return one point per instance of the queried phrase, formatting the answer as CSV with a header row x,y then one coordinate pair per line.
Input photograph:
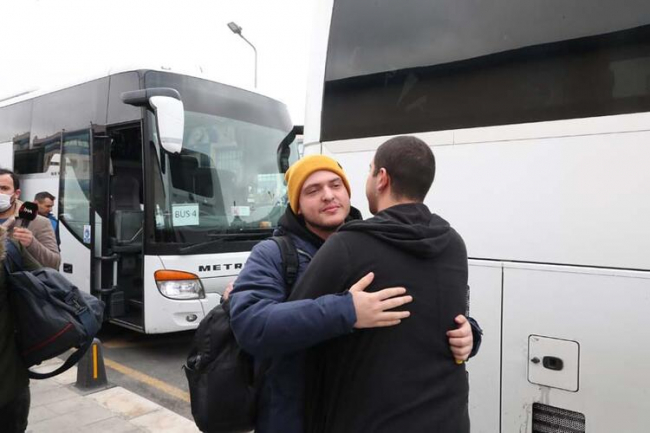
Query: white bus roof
x,y
192,72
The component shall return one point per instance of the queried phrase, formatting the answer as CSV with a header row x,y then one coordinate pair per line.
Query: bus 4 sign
x,y
185,214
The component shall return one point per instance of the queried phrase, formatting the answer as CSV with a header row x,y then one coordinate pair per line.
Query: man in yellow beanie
x,y
306,180
302,169
271,329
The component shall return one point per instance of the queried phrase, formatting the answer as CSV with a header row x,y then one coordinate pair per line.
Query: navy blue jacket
x,y
270,329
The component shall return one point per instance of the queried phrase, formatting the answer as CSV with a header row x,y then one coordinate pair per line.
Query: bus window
x,y
228,168
226,181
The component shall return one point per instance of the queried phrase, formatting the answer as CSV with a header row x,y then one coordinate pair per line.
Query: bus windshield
x,y
225,185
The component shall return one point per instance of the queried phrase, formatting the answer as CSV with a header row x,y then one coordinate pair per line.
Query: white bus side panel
x,y
606,314
74,254
485,281
572,199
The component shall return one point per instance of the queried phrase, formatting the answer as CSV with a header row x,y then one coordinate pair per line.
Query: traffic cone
x,y
91,372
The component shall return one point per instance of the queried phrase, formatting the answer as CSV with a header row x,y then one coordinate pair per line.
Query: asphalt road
x,y
149,365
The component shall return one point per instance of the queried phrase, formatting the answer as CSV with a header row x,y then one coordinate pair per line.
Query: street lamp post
x,y
237,30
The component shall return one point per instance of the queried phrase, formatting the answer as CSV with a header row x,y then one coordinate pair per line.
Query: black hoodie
x,y
402,378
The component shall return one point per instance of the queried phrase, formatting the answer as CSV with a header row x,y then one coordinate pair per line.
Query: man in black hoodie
x,y
404,378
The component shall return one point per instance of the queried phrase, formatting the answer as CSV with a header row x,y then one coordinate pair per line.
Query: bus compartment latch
x,y
553,362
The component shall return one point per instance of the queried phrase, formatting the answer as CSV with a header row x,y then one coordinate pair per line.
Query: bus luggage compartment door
x,y
591,325
485,281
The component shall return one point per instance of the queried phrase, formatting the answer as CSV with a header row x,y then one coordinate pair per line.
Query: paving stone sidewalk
x,y
58,407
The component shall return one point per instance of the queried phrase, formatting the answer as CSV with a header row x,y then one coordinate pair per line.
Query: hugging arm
x,y
265,325
329,272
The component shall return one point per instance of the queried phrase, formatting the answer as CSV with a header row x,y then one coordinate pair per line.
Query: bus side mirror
x,y
170,116
284,148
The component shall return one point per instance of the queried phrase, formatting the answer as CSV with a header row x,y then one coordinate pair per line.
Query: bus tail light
x,y
179,285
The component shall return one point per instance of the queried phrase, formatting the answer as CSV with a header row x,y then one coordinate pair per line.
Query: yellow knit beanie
x,y
302,169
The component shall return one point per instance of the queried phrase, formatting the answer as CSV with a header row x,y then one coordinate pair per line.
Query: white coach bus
x,y
155,228
538,113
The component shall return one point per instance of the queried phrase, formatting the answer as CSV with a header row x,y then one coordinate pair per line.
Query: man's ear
x,y
383,180
17,192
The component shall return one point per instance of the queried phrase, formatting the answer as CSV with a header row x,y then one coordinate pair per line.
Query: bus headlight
x,y
179,285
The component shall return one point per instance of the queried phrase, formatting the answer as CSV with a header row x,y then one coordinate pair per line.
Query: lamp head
x,y
235,28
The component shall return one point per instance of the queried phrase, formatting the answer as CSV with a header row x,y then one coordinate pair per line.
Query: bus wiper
x,y
226,237
199,245
240,232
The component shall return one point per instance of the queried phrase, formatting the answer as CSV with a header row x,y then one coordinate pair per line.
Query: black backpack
x,y
221,376
51,314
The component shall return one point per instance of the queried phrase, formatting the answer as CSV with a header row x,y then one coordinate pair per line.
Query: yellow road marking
x,y
125,344
116,344
148,380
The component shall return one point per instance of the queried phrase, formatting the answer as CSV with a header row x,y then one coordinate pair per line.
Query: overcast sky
x,y
46,42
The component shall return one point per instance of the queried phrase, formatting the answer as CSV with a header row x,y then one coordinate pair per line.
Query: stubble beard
x,y
326,228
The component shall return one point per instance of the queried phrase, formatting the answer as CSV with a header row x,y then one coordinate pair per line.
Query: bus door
x,y
120,207
102,273
74,207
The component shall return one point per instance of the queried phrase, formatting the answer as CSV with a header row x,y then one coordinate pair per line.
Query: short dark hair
x,y
13,177
410,164
41,196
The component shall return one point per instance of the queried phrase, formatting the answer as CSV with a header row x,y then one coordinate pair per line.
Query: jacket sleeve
x,y
265,325
43,247
29,262
477,335
26,261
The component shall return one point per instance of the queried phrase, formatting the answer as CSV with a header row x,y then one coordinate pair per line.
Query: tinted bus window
x,y
422,65
15,125
15,121
118,111
70,109
38,156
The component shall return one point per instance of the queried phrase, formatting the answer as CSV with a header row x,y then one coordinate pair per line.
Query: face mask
x,y
5,202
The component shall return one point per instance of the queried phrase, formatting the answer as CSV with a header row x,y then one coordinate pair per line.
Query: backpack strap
x,y
289,258
69,363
